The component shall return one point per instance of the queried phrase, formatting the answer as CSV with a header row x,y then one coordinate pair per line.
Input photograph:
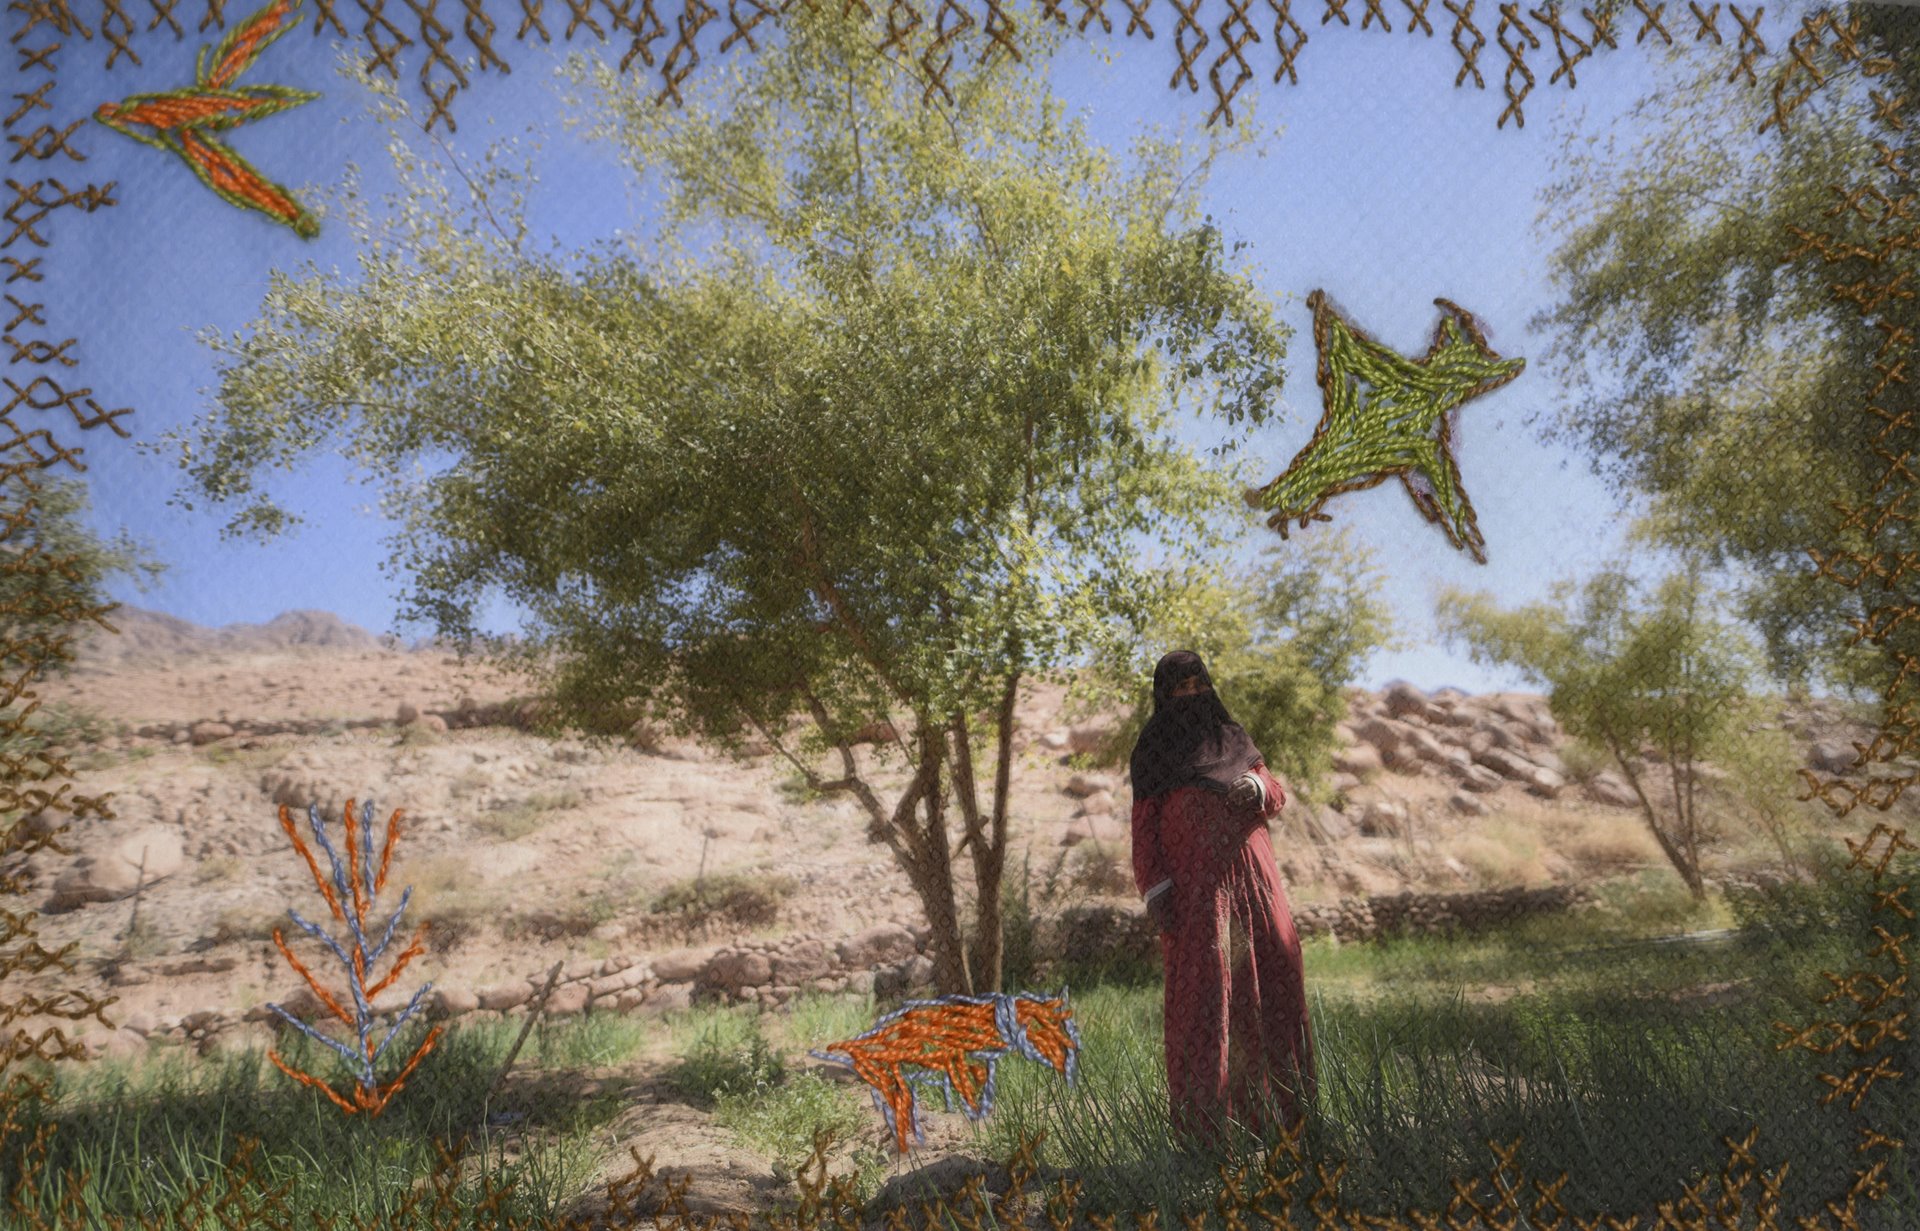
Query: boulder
x,y
1099,826
670,998
1480,778
408,712
874,947
810,959
454,1001
1545,783
432,722
502,997
1082,785
1089,739
568,1000
1423,745
1507,764
682,965
1343,782
1359,762
115,872
1402,699
1612,790
1098,803
731,971
1383,819
1054,741
1831,756
208,732
1507,736
1466,804
1383,734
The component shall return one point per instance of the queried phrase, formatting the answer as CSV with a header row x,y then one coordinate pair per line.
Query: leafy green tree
x,y
1282,639
864,424
1625,671
1727,384
63,568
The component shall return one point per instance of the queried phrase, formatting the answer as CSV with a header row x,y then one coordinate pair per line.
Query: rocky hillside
x,y
524,852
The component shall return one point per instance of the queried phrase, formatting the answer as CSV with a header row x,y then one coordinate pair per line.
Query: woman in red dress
x,y
1237,1037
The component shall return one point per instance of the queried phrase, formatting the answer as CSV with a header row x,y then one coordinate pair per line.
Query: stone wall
x,y
886,960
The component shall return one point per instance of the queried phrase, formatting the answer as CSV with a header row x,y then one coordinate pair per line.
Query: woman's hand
x,y
1160,906
1245,792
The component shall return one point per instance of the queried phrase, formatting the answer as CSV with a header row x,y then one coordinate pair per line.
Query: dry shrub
x,y
1609,841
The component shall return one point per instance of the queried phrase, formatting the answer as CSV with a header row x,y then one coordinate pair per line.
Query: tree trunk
x,y
943,912
1675,856
990,848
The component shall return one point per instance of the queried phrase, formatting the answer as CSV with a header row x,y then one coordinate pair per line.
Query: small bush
x,y
1583,761
752,900
717,1067
519,820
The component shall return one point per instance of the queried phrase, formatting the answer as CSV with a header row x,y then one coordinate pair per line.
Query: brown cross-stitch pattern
x,y
1463,21
1189,52
1516,61
163,11
1550,18
1287,47
1261,1192
1235,40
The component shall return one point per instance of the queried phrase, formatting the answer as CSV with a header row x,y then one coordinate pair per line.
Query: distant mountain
x,y
154,636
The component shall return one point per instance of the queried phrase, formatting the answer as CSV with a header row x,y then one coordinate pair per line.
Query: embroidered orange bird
x,y
184,120
958,1040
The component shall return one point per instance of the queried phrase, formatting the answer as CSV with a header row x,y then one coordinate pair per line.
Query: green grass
x,y
1592,1064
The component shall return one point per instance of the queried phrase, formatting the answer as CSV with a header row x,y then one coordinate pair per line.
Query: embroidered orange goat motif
x,y
956,1041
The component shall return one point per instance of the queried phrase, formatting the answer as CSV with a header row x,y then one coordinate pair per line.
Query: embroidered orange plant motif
x,y
354,883
184,120
955,1042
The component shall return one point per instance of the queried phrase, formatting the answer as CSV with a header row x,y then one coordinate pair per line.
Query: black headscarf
x,y
1189,741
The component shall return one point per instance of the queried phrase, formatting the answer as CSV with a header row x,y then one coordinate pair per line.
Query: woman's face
x,y
1193,685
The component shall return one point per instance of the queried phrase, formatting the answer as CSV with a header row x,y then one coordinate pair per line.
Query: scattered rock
x,y
682,965
116,872
1383,819
208,732
875,946
1088,740
1545,783
1082,785
1610,789
809,959
1360,761
1098,803
408,712
1466,804
1480,778
1402,699
732,970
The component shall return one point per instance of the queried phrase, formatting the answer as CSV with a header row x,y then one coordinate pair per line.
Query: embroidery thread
x,y
183,121
956,1041
1403,428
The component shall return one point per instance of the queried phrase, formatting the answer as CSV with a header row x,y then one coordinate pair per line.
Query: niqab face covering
x,y
1190,740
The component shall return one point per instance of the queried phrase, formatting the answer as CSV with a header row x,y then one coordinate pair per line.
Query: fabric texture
x,y
1188,740
1238,1041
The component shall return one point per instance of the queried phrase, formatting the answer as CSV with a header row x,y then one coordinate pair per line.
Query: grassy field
x,y
1621,1063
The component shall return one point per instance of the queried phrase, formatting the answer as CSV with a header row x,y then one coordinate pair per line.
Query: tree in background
x,y
865,425
78,563
1625,671
1703,372
1283,640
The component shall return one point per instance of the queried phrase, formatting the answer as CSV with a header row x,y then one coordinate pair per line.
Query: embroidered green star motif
x,y
1401,429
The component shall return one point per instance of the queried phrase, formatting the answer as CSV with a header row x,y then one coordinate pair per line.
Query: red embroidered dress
x,y
1236,1005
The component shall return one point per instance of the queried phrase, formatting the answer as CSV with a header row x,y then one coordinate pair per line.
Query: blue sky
x,y
1383,183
